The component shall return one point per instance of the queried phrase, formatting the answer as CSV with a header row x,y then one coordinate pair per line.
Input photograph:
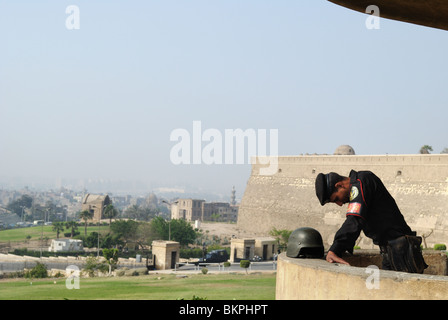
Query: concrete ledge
x,y
437,260
312,279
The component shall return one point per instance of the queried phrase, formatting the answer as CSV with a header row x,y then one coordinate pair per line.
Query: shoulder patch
x,y
354,192
354,207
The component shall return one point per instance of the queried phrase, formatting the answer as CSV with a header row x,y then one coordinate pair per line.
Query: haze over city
x,y
95,107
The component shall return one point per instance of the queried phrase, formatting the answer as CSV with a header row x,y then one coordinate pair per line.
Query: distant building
x,y
187,209
265,248
344,150
194,209
233,197
95,204
66,245
219,211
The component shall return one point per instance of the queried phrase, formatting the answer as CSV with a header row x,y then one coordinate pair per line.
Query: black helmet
x,y
305,243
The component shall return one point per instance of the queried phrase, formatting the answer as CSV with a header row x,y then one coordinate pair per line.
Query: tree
x,y
245,264
91,240
92,266
111,256
132,212
445,150
126,229
160,228
52,210
110,212
85,215
282,236
58,227
146,235
425,149
182,232
176,229
73,226
111,240
38,271
138,213
18,206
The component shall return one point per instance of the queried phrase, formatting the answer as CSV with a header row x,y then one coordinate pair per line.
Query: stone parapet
x,y
315,279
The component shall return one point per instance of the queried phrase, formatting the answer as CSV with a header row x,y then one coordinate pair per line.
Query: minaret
x,y
232,197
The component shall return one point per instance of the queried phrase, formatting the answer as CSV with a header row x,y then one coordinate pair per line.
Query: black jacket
x,y
372,210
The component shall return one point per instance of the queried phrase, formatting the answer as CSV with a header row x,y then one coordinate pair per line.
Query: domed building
x,y
344,150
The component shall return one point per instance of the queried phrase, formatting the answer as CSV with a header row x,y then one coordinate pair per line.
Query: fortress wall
x,y
287,199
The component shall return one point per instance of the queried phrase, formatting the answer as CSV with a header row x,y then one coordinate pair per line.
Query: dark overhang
x,y
429,13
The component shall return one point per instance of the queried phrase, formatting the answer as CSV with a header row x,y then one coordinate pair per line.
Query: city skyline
x,y
100,102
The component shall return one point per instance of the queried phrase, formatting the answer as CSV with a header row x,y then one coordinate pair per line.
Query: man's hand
x,y
333,258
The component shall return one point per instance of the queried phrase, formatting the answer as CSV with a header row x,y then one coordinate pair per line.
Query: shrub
x,y
121,273
93,265
69,234
12,275
187,253
204,270
245,264
39,271
439,246
139,272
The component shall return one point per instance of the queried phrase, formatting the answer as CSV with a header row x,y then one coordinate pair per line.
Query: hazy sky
x,y
101,101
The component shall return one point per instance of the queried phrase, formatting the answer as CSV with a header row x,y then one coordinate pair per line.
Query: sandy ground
x,y
229,230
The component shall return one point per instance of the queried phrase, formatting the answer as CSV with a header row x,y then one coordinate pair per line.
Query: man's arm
x,y
345,239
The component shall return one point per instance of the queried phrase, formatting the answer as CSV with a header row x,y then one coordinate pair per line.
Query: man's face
x,y
340,196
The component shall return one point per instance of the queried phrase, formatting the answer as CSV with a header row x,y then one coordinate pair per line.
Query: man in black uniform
x,y
373,210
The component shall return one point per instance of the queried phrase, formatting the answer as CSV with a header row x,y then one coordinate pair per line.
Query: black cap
x,y
324,187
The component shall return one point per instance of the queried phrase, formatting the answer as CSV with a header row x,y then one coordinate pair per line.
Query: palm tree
x,y
58,227
281,236
85,215
71,225
425,149
110,212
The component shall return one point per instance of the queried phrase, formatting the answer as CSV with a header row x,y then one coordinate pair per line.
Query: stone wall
x,y
316,279
287,199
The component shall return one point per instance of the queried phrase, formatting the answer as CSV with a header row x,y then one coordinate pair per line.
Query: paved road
x,y
254,266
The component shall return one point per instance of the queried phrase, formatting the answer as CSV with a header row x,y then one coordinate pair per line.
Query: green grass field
x,y
221,286
20,234
239,286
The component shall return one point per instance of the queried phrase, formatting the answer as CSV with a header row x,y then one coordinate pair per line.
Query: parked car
x,y
215,256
